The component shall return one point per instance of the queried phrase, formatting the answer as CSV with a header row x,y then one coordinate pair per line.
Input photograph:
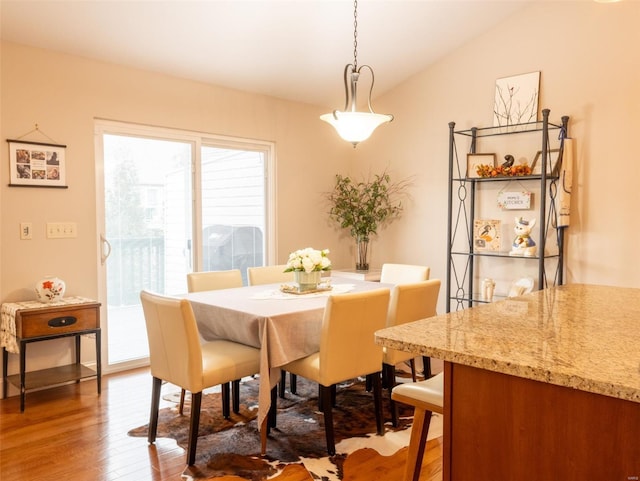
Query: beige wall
x,y
587,53
64,94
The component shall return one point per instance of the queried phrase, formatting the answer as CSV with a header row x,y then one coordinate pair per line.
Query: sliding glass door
x,y
172,203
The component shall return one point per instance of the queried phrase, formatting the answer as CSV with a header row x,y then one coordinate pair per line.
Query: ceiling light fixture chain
x,y
355,34
352,125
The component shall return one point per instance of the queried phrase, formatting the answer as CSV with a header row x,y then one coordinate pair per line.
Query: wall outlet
x,y
26,231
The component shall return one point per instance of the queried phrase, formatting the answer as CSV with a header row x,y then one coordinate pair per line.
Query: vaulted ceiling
x,y
291,49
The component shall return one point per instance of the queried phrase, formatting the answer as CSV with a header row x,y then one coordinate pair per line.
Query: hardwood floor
x,y
70,433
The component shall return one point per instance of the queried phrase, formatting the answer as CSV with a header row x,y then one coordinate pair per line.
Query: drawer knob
x,y
62,321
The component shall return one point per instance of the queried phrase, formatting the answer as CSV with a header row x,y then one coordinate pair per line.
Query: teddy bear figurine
x,y
523,244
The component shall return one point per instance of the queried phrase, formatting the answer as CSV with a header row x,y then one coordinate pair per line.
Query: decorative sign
x,y
514,200
36,164
486,235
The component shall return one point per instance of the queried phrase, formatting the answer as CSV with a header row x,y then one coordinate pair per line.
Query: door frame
x,y
198,139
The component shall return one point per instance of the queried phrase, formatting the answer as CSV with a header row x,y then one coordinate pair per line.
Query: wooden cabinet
x,y
39,322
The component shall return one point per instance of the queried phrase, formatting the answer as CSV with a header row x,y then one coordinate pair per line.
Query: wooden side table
x,y
35,322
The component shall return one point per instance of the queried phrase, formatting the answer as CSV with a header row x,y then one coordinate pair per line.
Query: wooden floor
x,y
70,433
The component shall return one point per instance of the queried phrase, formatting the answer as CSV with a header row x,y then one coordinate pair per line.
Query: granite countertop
x,y
584,337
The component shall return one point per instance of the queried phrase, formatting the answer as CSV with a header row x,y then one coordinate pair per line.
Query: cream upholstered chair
x,y
212,281
347,317
426,397
178,357
403,273
271,275
409,302
268,275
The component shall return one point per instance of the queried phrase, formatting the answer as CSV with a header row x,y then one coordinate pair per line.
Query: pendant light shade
x,y
355,127
351,125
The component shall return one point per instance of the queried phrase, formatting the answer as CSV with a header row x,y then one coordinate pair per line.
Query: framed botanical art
x,y
36,164
516,99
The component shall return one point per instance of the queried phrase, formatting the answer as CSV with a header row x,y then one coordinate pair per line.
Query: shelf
x,y
515,178
507,129
500,254
53,376
470,200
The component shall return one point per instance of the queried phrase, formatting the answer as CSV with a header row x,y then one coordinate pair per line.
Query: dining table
x,y
285,326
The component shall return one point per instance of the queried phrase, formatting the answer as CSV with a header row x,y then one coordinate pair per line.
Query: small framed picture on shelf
x,y
486,235
475,160
552,162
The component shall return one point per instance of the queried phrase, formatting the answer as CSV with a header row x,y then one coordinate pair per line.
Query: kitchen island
x,y
544,386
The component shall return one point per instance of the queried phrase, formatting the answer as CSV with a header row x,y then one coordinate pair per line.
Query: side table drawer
x,y
34,324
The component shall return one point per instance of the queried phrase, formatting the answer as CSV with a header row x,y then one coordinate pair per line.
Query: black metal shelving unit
x,y
461,289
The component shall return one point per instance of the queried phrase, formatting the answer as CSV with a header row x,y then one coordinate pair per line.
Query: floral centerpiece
x,y
307,265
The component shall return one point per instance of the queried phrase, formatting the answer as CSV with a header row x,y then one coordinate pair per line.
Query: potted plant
x,y
364,206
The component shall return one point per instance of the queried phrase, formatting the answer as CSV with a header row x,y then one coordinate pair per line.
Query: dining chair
x,y
402,274
259,275
268,275
212,281
426,397
347,318
177,356
408,303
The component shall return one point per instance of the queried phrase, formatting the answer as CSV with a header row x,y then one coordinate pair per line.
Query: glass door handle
x,y
104,254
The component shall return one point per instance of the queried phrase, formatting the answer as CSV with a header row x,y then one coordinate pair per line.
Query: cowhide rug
x,y
232,447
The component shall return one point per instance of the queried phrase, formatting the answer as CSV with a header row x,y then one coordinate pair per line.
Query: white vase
x,y
307,281
50,289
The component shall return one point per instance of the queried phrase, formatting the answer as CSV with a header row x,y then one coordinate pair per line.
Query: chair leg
x,y
235,395
196,401
426,362
412,363
273,410
155,405
377,401
226,412
417,444
181,407
283,383
326,400
293,380
389,372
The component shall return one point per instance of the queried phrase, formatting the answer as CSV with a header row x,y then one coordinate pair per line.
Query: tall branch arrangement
x,y
364,206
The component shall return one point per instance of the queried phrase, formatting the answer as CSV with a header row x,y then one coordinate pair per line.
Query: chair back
x,y
403,273
175,354
268,275
409,303
213,280
347,345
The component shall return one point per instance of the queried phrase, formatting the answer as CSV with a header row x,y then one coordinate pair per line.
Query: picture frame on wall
x,y
487,235
516,99
553,156
36,164
474,160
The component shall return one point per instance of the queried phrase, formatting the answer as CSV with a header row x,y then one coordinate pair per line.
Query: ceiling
x,y
291,49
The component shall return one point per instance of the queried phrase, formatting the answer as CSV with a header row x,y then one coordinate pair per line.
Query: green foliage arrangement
x,y
364,206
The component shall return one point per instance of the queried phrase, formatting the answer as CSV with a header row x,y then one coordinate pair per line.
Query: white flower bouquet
x,y
308,260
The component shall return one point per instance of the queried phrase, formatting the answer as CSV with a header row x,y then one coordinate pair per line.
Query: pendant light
x,y
351,125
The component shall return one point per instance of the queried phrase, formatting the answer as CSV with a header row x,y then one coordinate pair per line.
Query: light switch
x,y
61,230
